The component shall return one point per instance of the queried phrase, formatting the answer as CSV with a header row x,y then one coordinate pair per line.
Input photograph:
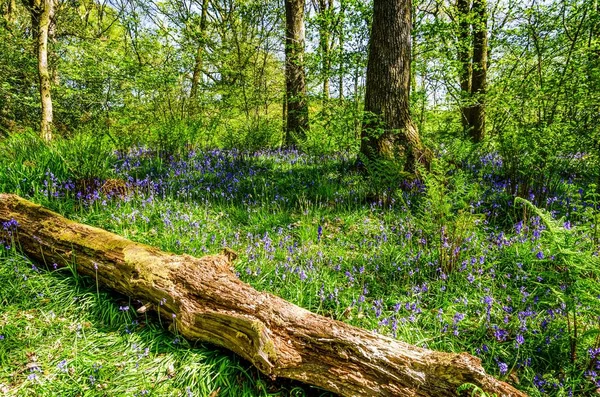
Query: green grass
x,y
60,337
451,264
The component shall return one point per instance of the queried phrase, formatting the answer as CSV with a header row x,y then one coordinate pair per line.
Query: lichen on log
x,y
207,302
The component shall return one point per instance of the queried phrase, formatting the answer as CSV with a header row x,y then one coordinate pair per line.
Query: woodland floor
x,y
450,261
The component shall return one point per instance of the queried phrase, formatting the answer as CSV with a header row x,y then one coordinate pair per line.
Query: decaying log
x,y
209,303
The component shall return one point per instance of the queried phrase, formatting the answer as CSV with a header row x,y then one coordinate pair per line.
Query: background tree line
x,y
520,76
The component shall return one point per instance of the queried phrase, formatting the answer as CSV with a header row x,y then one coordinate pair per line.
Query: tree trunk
x,y
341,56
387,127
325,8
297,105
207,302
472,38
478,82
42,12
199,60
463,8
8,11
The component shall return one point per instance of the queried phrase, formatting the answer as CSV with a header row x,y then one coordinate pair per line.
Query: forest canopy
x,y
216,70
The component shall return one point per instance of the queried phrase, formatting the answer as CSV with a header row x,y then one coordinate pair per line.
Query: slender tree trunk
x,y
207,302
198,62
197,71
342,70
479,76
297,105
357,95
472,56
53,57
42,12
388,130
284,116
8,11
463,8
413,55
341,32
325,8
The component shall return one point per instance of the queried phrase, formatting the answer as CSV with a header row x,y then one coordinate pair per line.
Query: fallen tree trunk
x,y
207,302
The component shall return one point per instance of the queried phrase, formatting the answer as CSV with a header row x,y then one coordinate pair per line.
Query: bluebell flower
x,y
519,340
539,382
503,367
10,225
458,317
500,334
62,366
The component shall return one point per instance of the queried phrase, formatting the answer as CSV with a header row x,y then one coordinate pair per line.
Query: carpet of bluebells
x,y
453,260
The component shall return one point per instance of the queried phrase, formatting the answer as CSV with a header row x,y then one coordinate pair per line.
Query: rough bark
x,y
478,82
463,8
388,127
297,105
42,12
199,60
472,56
211,304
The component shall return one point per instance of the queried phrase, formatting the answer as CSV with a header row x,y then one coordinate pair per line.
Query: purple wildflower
x,y
503,367
519,340
10,225
62,366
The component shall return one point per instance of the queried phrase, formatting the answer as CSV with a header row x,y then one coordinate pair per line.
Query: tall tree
x,y
297,105
8,11
199,59
341,39
325,23
463,8
42,12
473,56
388,128
479,79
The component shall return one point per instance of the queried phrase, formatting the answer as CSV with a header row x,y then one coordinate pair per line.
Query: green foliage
x,y
335,128
475,391
18,92
29,162
97,162
259,134
447,214
384,176
579,272
537,160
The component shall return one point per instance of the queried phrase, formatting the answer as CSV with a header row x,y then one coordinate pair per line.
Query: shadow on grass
x,y
61,335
